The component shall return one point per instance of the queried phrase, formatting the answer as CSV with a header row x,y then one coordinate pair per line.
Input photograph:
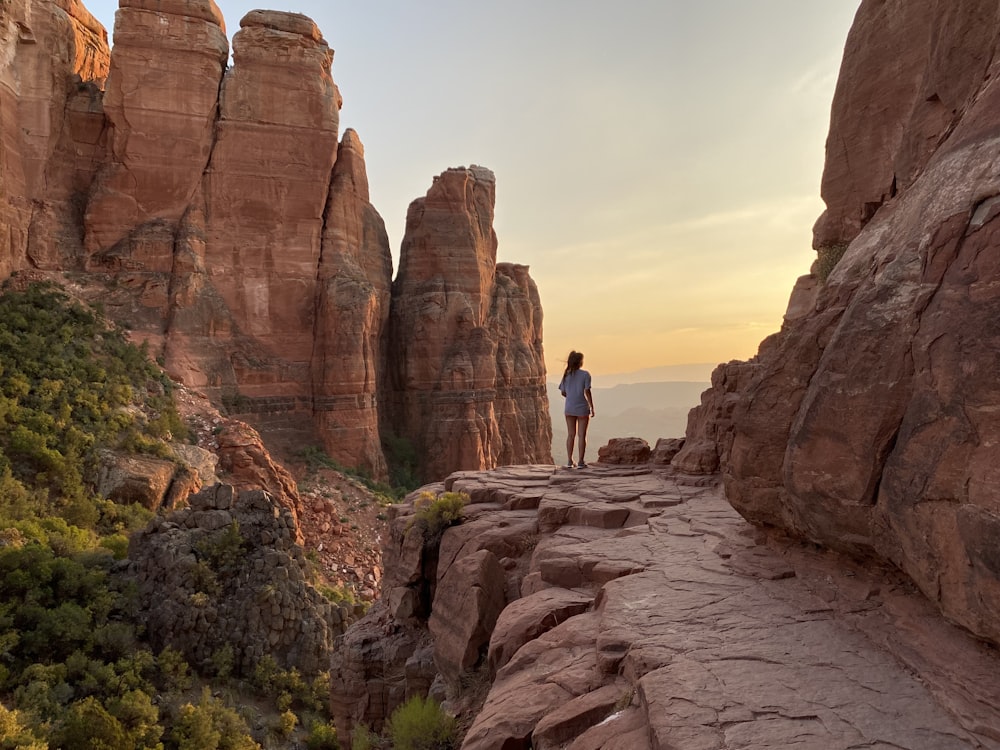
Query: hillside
x,y
101,456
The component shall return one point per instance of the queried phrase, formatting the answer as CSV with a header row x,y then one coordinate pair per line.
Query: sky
x,y
658,162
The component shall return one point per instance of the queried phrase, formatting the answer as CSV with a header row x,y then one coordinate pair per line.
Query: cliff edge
x,y
869,422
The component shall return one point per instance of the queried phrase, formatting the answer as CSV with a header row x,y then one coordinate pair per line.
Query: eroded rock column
x,y
352,310
466,367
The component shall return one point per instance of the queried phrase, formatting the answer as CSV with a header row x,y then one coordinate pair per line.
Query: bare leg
x,y
571,427
581,436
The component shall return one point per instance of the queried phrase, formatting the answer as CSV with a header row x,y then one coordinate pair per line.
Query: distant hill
x,y
696,372
647,410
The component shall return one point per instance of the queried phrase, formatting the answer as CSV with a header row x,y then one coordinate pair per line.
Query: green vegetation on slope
x,y
75,670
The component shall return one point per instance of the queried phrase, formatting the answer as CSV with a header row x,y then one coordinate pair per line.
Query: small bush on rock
x,y
435,513
421,724
364,739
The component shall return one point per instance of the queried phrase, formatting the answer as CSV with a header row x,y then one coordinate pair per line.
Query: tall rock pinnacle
x,y
466,368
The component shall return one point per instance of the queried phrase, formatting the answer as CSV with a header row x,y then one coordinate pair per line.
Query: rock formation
x,y
53,61
352,313
467,376
211,210
225,573
868,423
623,608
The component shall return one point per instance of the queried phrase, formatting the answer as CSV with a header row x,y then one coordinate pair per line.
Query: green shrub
x,y
223,661
224,549
364,739
175,673
286,723
421,724
827,259
16,732
211,725
402,459
434,513
322,736
89,726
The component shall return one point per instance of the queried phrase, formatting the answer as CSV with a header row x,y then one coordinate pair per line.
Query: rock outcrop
x,y
624,608
868,423
225,574
467,374
211,210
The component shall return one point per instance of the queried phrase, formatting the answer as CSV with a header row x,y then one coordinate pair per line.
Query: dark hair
x,y
573,362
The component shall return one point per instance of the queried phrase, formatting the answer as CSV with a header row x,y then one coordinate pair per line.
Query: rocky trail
x,y
642,612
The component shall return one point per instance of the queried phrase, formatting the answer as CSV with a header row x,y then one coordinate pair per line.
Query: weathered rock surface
x,y
909,76
225,572
154,483
206,208
161,106
467,375
868,423
53,62
673,624
265,193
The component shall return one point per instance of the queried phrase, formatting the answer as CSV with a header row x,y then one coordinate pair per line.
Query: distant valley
x,y
647,410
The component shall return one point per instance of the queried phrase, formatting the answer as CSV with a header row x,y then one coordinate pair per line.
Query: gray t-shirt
x,y
573,386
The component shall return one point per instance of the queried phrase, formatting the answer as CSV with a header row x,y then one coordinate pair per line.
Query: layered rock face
x,y
467,370
53,62
161,105
206,208
869,422
265,192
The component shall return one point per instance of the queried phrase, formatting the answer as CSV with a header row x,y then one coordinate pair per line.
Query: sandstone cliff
x,y
212,210
869,422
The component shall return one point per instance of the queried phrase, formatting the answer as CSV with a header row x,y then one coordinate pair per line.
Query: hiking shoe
x,y
581,465
569,465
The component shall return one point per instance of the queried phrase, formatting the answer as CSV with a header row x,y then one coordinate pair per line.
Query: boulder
x,y
129,478
624,451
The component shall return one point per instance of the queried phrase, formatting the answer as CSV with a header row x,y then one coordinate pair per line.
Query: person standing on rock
x,y
575,388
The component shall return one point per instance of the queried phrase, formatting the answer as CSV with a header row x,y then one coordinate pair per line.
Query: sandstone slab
x,y
693,629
